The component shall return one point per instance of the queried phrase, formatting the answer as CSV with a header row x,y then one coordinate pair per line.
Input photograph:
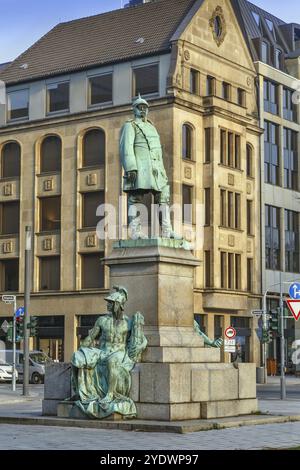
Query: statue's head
x,y
140,108
116,300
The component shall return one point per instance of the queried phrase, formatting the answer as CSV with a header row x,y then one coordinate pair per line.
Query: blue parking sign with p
x,y
294,291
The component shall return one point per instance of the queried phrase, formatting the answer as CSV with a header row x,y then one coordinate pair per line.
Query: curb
x,y
182,427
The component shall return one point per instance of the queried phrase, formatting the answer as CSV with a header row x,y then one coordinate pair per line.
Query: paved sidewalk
x,y
275,436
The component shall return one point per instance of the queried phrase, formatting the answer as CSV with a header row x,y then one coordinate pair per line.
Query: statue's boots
x,y
135,228
166,225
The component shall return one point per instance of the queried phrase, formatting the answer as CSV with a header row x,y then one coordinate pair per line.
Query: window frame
x,y
22,118
60,111
89,91
143,66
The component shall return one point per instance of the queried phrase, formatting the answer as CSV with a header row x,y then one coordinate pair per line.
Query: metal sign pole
x,y
264,345
282,345
14,345
26,312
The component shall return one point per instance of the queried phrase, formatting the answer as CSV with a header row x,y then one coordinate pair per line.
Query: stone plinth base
x,y
57,387
181,391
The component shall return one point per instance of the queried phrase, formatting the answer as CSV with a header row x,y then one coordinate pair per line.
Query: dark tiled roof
x,y
101,39
3,66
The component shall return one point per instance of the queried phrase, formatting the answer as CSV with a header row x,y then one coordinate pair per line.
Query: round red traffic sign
x,y
230,332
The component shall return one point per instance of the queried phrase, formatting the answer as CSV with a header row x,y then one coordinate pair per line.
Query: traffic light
x,y
274,322
9,333
33,326
267,336
19,328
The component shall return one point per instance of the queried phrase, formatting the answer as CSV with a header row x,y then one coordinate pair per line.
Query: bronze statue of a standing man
x,y
142,160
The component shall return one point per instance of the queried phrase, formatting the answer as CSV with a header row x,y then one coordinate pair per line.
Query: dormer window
x,y
271,27
265,52
256,17
278,56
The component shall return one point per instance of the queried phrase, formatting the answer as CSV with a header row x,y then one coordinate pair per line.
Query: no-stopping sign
x,y
230,332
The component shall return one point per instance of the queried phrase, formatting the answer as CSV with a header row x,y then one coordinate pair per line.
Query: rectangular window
x,y
223,147
223,208
207,206
230,149
290,151
241,97
271,97
10,218
146,80
265,52
278,59
210,85
50,214
237,150
230,270
271,153
237,272
207,269
92,274
249,218
90,203
195,82
101,89
272,237
291,241
249,275
207,136
237,211
50,273
223,270
9,275
18,104
58,97
289,108
187,207
230,216
226,91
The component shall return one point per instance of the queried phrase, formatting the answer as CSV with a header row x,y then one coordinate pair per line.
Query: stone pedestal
x,y
178,378
57,387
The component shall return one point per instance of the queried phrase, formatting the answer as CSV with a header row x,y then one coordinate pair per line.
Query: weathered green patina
x,y
101,368
217,343
142,160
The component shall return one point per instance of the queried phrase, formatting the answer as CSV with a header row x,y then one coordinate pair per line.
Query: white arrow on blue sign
x,y
294,291
20,312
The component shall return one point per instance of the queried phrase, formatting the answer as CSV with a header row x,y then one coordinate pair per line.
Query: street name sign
x,y
8,299
294,306
257,313
294,291
230,332
230,346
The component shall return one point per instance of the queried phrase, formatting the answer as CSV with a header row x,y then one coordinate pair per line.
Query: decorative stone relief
x,y
187,55
47,244
249,188
91,179
218,26
8,189
249,246
231,240
90,241
231,179
7,247
48,185
188,173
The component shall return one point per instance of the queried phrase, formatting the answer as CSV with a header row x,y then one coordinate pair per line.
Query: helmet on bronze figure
x,y
140,107
120,296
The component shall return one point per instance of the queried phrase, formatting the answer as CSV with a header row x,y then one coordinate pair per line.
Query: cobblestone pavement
x,y
15,437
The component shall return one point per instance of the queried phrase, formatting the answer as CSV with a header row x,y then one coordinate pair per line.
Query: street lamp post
x,y
27,290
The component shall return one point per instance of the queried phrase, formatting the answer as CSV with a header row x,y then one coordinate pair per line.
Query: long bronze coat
x,y
140,150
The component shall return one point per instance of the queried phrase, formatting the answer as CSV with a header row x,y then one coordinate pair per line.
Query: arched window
x,y
249,160
51,154
11,160
93,148
187,141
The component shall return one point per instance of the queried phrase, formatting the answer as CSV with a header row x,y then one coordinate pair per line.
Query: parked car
x,y
37,362
6,372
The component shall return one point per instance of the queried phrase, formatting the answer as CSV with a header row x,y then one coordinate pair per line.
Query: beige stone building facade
x,y
63,123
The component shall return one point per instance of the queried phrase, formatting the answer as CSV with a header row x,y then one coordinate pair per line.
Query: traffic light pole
x,y
27,290
282,345
14,345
